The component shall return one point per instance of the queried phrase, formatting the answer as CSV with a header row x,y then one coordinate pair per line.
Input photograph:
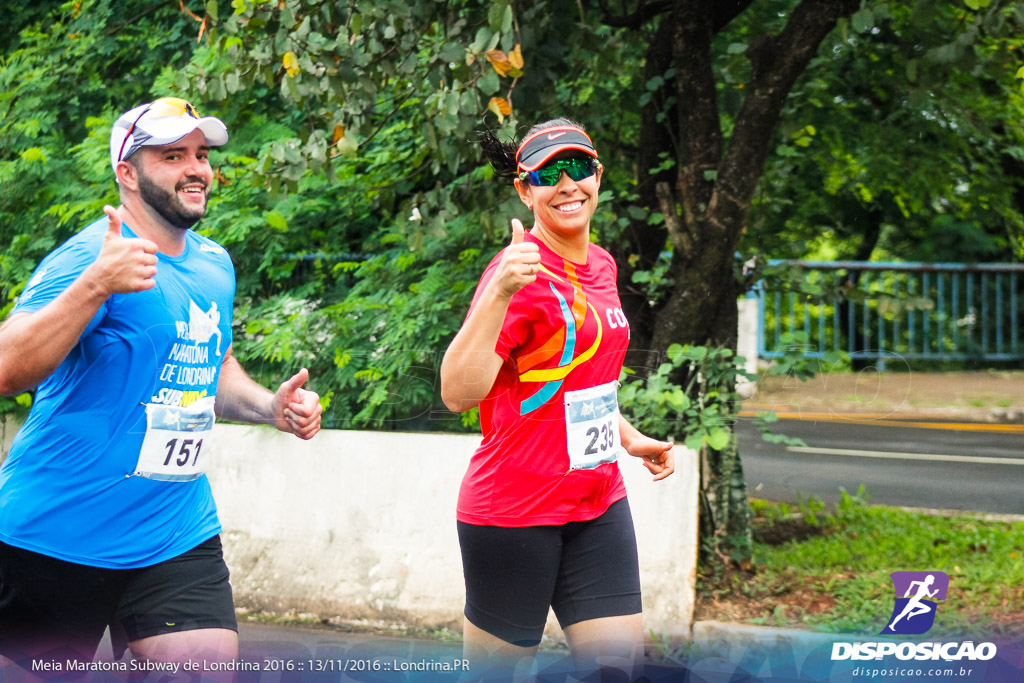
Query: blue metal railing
x,y
874,310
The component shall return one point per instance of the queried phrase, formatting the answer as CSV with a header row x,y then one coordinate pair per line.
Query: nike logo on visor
x,y
552,136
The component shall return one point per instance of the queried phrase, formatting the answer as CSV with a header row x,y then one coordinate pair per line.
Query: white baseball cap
x,y
161,122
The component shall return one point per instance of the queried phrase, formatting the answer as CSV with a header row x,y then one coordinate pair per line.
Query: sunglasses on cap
x,y
165,106
550,173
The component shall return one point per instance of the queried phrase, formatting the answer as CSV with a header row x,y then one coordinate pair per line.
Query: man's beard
x,y
167,203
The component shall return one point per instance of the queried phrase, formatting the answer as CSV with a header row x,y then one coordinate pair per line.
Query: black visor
x,y
535,150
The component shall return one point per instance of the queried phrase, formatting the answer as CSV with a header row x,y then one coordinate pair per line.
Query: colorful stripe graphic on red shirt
x,y
565,339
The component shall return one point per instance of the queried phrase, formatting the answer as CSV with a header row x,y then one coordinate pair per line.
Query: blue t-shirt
x,y
72,486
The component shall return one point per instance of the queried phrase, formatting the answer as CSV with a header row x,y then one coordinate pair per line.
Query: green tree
x,y
360,215
909,133
354,70
67,67
712,81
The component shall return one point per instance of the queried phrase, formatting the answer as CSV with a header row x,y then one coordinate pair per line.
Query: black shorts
x,y
584,570
55,610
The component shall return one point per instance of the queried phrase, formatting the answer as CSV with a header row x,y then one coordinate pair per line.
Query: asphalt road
x,y
308,654
302,654
975,467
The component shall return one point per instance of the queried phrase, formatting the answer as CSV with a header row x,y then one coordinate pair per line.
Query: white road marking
x,y
906,456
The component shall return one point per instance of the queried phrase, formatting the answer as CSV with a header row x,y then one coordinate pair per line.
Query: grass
x,y
828,570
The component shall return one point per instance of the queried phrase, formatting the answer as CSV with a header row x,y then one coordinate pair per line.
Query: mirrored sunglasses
x,y
165,106
551,172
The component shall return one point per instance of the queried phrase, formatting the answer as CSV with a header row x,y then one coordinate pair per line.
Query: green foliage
x,y
350,196
359,215
902,140
347,121
343,74
837,563
764,421
693,396
73,67
16,406
375,351
699,409
794,362
657,281
372,321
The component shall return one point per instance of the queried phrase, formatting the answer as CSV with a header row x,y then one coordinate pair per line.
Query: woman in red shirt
x,y
542,513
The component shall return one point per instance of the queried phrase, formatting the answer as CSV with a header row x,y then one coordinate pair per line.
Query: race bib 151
x,y
177,443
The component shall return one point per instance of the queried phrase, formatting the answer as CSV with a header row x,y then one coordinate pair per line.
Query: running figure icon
x,y
917,597
915,607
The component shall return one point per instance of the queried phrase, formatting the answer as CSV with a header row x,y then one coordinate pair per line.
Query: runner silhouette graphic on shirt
x,y
202,325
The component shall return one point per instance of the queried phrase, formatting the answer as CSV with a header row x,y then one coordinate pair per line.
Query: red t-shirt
x,y
564,332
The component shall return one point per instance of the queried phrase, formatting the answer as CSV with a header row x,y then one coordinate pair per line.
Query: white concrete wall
x,y
361,525
746,342
8,428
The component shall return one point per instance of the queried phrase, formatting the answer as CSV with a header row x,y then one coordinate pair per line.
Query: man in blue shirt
x,y
106,515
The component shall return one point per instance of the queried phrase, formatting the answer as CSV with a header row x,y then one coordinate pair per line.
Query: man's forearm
x,y
239,398
33,345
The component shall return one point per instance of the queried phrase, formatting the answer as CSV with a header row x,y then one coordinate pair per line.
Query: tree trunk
x,y
647,241
706,206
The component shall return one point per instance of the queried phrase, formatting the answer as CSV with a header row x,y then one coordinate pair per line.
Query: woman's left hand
x,y
657,456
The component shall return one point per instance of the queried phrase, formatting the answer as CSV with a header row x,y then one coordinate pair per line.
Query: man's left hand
x,y
297,410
